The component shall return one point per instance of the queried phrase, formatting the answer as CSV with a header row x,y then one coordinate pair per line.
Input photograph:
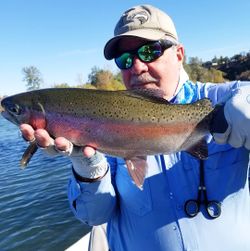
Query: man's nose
x,y
139,66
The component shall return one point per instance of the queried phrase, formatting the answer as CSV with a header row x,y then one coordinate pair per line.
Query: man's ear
x,y
180,52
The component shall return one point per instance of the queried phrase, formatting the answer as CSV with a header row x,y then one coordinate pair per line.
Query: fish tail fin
x,y
218,122
199,150
137,168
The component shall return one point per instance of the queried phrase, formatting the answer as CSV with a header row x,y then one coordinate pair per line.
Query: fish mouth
x,y
9,117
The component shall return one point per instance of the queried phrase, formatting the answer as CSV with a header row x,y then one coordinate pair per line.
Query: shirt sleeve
x,y
216,92
93,203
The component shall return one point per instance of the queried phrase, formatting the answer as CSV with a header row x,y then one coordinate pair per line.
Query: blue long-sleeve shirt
x,y
154,218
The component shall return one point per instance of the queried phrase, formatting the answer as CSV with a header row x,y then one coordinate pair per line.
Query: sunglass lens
x,y
150,52
125,61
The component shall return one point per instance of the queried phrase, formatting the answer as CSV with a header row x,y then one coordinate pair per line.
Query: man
x,y
165,215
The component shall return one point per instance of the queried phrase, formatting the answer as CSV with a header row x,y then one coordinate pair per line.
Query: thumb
x,y
88,151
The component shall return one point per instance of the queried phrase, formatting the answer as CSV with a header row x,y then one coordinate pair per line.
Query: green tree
x,y
32,77
105,79
118,77
197,72
215,76
86,86
92,77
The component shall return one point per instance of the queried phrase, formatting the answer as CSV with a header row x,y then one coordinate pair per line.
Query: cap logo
x,y
141,16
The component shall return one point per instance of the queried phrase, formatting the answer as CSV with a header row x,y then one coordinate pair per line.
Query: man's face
x,y
163,73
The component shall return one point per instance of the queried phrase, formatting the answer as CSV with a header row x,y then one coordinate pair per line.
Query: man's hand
x,y
237,114
53,147
87,162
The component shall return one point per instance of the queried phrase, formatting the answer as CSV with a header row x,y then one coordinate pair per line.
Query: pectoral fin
x,y
27,155
137,168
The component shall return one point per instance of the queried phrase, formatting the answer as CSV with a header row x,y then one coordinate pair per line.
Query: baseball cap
x,y
143,21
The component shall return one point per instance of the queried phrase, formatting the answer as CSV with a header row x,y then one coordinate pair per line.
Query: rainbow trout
x,y
130,124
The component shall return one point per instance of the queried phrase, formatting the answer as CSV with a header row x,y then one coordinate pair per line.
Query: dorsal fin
x,y
203,102
153,95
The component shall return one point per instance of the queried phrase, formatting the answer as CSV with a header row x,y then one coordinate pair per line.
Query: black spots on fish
x,y
190,114
201,112
162,117
203,106
194,114
86,108
153,119
128,103
74,113
125,115
136,119
171,118
101,112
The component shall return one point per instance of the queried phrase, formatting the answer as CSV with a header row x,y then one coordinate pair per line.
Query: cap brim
x,y
111,47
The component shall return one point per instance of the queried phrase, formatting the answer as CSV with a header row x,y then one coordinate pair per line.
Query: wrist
x,y
85,179
92,168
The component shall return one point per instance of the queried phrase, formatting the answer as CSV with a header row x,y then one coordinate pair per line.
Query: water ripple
x,y
34,209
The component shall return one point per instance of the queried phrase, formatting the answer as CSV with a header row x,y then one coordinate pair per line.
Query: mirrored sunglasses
x,y
146,53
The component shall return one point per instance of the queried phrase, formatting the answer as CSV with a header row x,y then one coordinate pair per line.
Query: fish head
x,y
15,111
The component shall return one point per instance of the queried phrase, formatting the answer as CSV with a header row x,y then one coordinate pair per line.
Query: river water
x,y
34,210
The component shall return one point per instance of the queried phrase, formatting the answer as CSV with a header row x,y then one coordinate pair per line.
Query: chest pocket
x,y
225,171
221,156
132,198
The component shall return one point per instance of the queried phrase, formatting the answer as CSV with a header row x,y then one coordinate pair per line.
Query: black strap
x,y
88,180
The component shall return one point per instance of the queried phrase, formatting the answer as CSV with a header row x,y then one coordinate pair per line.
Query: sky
x,y
64,39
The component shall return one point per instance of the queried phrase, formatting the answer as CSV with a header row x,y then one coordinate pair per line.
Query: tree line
x,y
235,68
218,70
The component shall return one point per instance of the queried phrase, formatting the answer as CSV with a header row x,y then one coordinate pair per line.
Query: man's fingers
x,y
62,144
27,132
42,138
88,151
40,135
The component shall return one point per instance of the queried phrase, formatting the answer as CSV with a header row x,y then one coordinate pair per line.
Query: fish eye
x,y
15,109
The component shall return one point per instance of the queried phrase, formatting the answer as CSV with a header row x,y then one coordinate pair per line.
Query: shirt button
x,y
174,228
179,207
